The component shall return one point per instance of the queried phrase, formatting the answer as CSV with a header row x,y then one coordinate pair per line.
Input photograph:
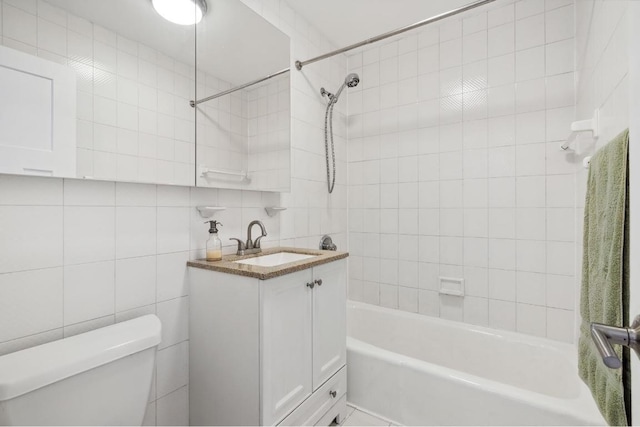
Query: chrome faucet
x,y
251,246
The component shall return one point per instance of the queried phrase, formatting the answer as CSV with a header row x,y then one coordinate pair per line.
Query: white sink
x,y
274,260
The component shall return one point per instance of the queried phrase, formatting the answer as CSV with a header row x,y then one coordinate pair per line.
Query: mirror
x,y
243,136
120,78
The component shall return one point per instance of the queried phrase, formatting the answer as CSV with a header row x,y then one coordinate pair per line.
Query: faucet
x,y
251,246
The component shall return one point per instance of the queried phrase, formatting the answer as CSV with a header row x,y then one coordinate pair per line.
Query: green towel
x,y
605,284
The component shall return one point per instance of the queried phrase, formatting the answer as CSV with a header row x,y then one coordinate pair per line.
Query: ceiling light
x,y
181,12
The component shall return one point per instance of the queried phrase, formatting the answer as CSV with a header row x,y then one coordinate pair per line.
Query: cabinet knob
x,y
333,393
311,285
318,282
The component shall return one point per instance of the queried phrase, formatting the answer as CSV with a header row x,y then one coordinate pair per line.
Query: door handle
x,y
311,285
604,336
318,282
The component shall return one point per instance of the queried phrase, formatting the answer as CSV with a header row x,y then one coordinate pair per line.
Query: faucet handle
x,y
256,243
241,246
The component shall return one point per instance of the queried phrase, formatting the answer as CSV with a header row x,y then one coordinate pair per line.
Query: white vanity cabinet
x,y
268,352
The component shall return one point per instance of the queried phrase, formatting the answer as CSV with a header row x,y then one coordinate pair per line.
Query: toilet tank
x,y
102,377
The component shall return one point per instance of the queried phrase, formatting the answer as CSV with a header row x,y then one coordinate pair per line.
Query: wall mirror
x,y
104,90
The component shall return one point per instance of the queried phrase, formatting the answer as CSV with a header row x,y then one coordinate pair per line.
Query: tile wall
x,y
83,254
455,170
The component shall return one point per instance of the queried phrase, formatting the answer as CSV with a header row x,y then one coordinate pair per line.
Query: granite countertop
x,y
264,273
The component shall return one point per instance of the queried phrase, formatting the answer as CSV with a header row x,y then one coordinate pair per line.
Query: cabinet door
x,y
329,321
37,116
285,344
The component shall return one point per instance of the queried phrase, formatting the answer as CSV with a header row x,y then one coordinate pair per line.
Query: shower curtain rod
x,y
226,92
300,64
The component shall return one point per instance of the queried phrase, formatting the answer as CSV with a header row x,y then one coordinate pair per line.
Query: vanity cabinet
x,y
268,352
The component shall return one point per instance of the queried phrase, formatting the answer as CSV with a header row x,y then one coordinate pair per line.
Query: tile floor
x,y
356,417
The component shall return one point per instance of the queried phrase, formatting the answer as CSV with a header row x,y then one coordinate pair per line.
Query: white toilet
x,y
102,377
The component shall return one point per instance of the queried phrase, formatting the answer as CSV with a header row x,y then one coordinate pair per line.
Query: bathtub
x,y
416,370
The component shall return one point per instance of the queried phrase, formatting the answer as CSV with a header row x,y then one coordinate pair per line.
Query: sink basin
x,y
274,260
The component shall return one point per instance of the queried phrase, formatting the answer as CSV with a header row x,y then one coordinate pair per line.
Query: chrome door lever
x,y
604,335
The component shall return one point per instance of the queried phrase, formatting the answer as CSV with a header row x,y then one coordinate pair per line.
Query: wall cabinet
x,y
268,352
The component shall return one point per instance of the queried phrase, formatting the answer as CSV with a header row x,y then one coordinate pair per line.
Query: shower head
x,y
352,80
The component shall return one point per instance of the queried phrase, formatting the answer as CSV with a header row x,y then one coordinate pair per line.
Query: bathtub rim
x,y
581,406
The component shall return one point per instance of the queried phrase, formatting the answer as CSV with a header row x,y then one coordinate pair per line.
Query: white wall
x,y
455,169
77,255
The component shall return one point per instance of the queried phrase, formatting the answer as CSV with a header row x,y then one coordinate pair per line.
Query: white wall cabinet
x,y
37,116
268,352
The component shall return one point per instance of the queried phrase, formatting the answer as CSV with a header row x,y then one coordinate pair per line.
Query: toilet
x,y
101,377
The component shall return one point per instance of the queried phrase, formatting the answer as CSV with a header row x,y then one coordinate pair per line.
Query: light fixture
x,y
181,12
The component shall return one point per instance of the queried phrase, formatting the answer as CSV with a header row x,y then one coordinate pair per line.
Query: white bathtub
x,y
418,370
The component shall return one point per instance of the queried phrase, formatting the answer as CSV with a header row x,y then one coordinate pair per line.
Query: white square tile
x,y
388,296
451,250
476,311
429,249
560,91
502,192
530,223
451,308
408,299
559,24
560,191
474,23
173,409
530,32
501,100
135,282
89,291
474,134
530,159
451,194
52,37
561,292
475,193
501,161
429,303
502,223
30,302
502,314
501,131
174,315
560,258
501,39
530,63
501,70
476,252
19,25
531,319
530,127
531,256
172,276
30,191
128,194
502,254
474,47
89,234
389,271
88,193
501,15
173,229
526,8
135,232
560,325
559,57
179,196
530,96
561,224
531,192
530,288
172,368
28,242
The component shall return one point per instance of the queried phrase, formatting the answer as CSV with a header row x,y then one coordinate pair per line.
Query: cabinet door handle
x,y
333,393
318,282
311,285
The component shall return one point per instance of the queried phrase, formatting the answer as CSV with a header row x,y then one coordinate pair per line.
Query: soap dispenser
x,y
214,244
